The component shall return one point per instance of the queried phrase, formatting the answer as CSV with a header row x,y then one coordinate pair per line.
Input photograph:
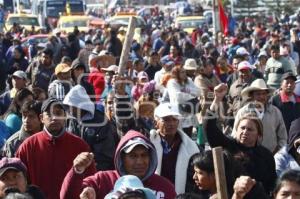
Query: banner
x,y
223,18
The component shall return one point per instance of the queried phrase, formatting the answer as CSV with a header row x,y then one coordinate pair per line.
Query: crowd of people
x,y
75,125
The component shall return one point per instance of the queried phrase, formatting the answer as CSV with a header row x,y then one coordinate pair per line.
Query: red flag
x,y
223,18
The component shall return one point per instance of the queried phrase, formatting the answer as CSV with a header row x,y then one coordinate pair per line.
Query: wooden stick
x,y
126,46
220,172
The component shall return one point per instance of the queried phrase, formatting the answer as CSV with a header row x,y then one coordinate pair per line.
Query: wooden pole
x,y
220,172
126,46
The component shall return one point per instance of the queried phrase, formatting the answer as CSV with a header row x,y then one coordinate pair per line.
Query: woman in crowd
x,y
13,118
256,160
183,92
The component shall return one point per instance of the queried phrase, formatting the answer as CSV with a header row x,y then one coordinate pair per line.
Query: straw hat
x,y
102,61
190,64
256,85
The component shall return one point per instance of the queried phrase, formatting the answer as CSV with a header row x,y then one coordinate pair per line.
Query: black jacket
x,y
257,162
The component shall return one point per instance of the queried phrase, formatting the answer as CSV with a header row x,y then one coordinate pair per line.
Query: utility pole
x,y
216,22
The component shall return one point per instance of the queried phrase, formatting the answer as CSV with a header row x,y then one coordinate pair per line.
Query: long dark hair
x,y
176,75
16,104
288,176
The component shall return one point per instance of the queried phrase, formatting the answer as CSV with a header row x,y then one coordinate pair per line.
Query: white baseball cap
x,y
166,109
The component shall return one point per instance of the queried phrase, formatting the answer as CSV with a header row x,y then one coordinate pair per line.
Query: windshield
x,y
69,24
191,23
125,21
54,8
28,21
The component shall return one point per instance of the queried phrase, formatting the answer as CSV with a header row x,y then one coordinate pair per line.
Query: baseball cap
x,y
242,51
142,75
288,75
129,183
131,144
244,65
12,163
166,109
20,74
62,68
77,63
48,102
166,61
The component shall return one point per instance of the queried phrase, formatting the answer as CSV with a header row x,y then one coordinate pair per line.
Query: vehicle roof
x,y
21,15
189,17
73,17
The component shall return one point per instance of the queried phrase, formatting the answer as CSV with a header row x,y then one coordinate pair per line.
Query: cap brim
x,y
2,171
131,147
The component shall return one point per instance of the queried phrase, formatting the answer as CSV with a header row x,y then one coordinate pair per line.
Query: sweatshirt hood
x,y
132,135
78,97
294,134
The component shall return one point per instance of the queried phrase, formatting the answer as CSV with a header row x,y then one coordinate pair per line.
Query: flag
x,y
223,18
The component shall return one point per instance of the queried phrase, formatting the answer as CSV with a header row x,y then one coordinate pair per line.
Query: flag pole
x,y
215,21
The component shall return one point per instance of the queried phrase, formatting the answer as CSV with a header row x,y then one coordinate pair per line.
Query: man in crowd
x,y
287,101
32,124
174,148
276,66
135,155
92,126
13,175
49,154
41,70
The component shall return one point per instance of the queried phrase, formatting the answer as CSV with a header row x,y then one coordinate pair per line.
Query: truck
x,y
49,11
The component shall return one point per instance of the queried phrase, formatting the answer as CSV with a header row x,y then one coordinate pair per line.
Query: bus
x,y
15,6
50,10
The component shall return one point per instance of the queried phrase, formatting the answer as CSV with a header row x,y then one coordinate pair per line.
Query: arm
x,y
280,131
214,136
74,183
281,161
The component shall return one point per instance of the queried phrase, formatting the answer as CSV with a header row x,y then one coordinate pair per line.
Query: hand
x,y
83,161
242,186
88,193
220,91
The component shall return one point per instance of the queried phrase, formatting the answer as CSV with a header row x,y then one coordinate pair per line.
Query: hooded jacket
x,y
286,157
93,127
103,181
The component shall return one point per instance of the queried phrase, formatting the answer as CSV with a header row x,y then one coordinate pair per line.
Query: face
x,y
208,70
235,63
288,86
168,125
108,76
247,133
245,75
173,51
54,119
275,54
46,59
77,72
183,74
204,180
12,178
31,122
168,67
260,96
18,82
17,54
288,190
153,59
137,161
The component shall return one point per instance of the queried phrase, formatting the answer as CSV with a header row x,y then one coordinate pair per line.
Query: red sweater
x,y
49,159
103,183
